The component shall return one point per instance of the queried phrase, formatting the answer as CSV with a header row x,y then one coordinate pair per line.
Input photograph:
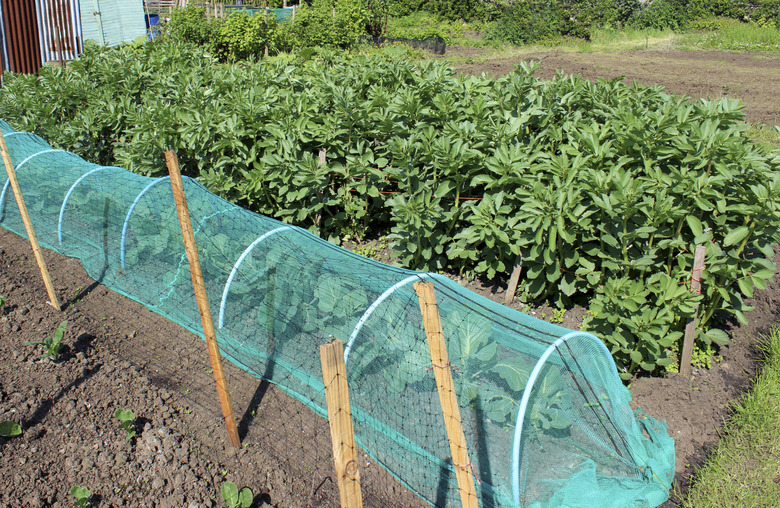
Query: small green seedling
x,y
127,422
235,499
557,316
82,495
10,429
52,344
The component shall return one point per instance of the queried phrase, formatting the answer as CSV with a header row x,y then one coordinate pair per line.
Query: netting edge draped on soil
x,y
545,415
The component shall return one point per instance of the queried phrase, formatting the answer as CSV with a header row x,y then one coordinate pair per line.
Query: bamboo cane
x,y
9,168
200,294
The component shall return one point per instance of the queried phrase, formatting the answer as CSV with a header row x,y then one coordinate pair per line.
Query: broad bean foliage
x,y
602,190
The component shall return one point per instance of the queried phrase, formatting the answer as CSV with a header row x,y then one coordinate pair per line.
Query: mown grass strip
x,y
744,469
742,37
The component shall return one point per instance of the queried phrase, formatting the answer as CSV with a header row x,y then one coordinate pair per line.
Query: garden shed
x,y
33,32
111,22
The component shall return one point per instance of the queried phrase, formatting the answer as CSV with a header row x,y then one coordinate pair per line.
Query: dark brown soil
x,y
120,355
753,78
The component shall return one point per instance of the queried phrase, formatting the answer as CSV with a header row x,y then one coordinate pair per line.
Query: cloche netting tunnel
x,y
546,418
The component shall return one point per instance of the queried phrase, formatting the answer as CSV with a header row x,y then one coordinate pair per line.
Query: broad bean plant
x,y
601,189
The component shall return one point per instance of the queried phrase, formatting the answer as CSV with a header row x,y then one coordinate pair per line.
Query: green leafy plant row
x,y
602,190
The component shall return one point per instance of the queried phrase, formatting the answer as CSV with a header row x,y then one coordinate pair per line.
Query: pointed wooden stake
x,y
9,168
200,294
334,376
449,402
514,280
690,327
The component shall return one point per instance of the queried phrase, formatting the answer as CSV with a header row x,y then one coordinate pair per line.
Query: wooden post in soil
x,y
449,402
265,44
690,327
514,280
200,294
9,168
334,376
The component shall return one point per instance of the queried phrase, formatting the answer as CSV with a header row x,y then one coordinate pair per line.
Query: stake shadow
x,y
485,475
443,487
43,409
104,269
252,408
81,294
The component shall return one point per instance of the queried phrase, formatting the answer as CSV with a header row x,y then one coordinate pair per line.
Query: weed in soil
x,y
127,422
10,429
235,499
52,344
82,495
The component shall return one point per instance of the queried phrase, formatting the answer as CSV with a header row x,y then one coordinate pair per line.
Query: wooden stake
x,y
200,294
9,168
334,376
690,327
514,280
449,402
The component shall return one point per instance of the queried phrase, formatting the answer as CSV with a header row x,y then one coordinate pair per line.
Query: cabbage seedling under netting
x,y
545,415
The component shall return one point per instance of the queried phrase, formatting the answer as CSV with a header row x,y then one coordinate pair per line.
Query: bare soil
x,y
753,78
118,354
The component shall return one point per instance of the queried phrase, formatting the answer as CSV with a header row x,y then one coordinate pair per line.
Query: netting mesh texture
x,y
546,418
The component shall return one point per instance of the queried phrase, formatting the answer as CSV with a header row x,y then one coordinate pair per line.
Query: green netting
x,y
281,14
546,417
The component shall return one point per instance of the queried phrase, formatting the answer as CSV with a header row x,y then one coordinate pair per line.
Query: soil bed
x,y
120,355
753,78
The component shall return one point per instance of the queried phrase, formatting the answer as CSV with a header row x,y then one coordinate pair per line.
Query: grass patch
x,y
744,469
628,39
736,36
765,135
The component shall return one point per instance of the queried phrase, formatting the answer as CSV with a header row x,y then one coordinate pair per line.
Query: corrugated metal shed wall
x,y
59,24
112,22
21,48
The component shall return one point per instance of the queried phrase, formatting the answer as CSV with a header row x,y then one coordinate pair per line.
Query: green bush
x,y
422,25
687,14
534,21
242,36
543,21
402,8
325,24
453,10
662,14
528,22
189,24
710,24
377,16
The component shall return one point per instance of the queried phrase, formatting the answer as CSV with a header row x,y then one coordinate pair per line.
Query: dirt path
x,y
753,78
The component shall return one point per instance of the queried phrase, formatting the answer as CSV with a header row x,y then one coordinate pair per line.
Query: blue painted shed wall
x,y
118,20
